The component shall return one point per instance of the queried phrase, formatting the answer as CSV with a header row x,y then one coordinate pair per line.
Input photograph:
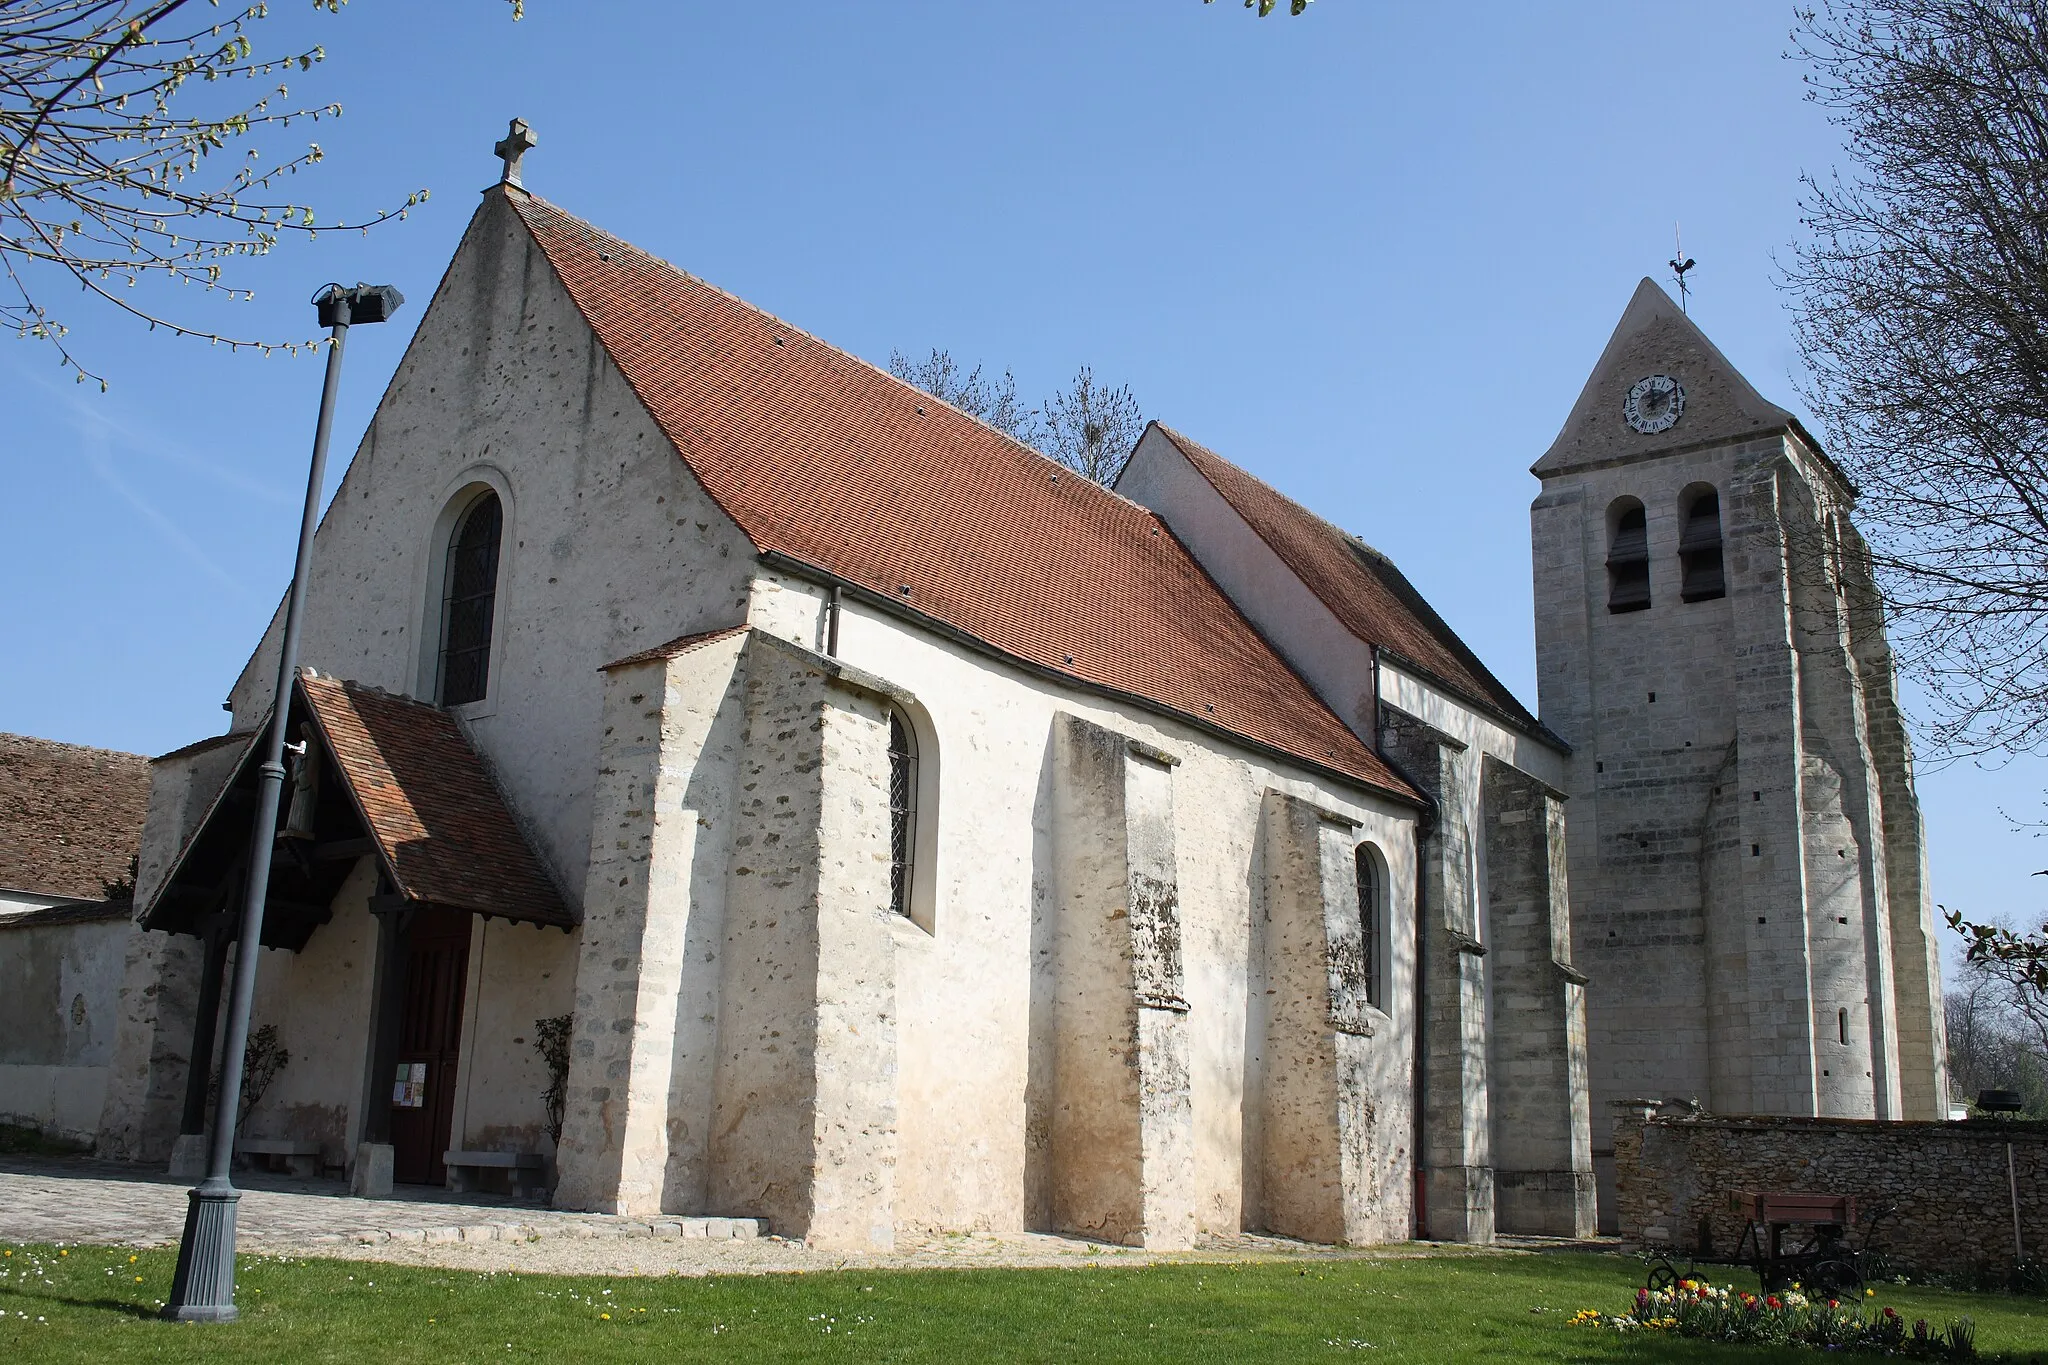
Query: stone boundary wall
x,y
1680,1178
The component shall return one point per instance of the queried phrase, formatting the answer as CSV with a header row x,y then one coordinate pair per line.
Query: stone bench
x,y
525,1172
302,1159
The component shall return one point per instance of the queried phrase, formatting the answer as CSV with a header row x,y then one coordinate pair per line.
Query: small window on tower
x,y
1699,549
1628,557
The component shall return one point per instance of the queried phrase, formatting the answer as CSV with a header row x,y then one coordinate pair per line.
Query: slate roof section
x,y
825,459
1361,587
70,816
442,829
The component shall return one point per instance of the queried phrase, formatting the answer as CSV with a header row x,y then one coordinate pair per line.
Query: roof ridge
x,y
1184,441
358,688
6,735
817,340
823,458
1490,692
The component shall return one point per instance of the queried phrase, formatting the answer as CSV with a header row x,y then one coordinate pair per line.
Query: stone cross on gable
x,y
516,143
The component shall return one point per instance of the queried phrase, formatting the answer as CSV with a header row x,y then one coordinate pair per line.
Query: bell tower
x,y
1744,843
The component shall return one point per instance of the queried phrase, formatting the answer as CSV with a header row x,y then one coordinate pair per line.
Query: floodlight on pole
x,y
203,1289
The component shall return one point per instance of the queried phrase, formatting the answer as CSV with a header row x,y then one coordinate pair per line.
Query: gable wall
x,y
1305,632
609,544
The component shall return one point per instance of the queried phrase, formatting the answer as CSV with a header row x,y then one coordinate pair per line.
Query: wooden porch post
x,y
370,1176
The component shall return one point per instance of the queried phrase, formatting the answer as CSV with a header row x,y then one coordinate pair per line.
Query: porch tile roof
x,y
443,831
821,457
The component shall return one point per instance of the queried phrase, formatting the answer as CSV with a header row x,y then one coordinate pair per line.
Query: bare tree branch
x,y
1088,427
114,165
1922,294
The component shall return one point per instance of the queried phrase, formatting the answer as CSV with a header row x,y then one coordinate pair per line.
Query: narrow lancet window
x,y
469,602
902,811
1699,550
1370,916
1628,560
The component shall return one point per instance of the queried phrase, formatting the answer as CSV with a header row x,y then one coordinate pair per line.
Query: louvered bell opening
x,y
1704,580
1631,544
1628,587
1628,563
1701,533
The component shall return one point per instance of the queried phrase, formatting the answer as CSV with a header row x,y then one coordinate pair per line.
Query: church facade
x,y
917,836
1748,874
912,836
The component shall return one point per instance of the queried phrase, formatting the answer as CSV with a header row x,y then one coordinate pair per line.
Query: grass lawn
x,y
99,1304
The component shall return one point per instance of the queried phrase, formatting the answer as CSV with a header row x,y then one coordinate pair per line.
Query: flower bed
x,y
1694,1308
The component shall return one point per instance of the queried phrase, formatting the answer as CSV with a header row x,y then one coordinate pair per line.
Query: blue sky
x,y
1370,254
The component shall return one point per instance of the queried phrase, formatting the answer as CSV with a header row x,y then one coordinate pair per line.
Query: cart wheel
x,y
1835,1279
1662,1275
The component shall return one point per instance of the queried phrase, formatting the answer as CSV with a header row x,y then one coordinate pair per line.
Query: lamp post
x,y
204,1288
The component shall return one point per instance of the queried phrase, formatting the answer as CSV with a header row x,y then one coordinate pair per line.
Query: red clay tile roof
x,y
70,817
682,644
1361,586
441,828
823,458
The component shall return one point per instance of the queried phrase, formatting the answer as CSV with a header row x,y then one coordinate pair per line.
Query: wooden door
x,y
429,1037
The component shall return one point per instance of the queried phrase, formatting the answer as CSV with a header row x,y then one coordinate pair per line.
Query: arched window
x,y
902,811
1628,557
1699,549
469,600
1372,917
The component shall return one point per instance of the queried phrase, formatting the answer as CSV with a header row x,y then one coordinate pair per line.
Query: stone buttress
x,y
1542,1136
735,1047
1457,1156
1333,1153
1122,1129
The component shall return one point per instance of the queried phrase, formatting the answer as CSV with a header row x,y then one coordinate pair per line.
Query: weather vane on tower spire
x,y
1680,263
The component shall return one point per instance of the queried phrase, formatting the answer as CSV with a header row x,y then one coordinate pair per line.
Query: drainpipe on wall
x,y
832,623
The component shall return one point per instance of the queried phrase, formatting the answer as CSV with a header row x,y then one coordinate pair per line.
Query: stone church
x,y
1748,875
920,836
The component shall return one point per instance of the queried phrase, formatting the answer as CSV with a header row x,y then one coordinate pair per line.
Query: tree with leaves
x,y
1089,427
2002,1008
118,162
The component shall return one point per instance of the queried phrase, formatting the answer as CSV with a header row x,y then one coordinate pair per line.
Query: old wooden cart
x,y
1798,1239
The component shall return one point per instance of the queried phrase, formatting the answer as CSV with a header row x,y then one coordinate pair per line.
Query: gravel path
x,y
43,1200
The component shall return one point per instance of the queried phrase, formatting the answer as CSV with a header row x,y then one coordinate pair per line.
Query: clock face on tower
x,y
1654,404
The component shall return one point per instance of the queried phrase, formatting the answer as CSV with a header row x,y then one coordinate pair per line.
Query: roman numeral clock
x,y
1654,404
